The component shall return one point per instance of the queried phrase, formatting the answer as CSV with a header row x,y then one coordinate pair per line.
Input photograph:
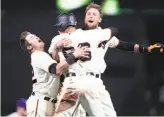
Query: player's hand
x,y
102,44
156,48
81,52
67,42
64,42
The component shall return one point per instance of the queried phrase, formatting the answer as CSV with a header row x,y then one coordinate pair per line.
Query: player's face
x,y
34,42
92,18
21,111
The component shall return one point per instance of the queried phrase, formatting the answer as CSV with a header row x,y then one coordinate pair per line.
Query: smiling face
x,y
93,16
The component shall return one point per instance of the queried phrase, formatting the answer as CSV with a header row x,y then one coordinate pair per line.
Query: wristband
x,y
143,49
70,59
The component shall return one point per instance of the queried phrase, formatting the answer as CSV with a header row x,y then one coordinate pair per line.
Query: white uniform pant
x,y
75,111
38,107
95,99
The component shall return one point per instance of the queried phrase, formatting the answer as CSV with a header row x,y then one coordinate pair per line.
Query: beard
x,y
91,26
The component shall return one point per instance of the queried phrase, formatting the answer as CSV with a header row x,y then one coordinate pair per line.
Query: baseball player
x,y
93,18
83,73
46,73
114,42
68,101
20,109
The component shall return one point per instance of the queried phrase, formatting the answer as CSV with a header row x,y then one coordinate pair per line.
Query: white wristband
x,y
113,42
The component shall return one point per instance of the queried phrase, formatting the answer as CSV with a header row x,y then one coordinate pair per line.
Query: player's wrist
x,y
71,59
58,49
59,45
75,55
144,49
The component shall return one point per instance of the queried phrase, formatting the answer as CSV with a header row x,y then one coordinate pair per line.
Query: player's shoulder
x,y
77,33
98,30
55,38
91,32
39,54
79,30
58,37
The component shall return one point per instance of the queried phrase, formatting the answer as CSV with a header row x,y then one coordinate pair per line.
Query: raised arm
x,y
136,48
126,46
43,61
57,45
61,67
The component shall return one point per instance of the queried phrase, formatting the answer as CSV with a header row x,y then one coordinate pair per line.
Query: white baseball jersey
x,y
100,57
96,105
46,83
112,43
55,40
93,38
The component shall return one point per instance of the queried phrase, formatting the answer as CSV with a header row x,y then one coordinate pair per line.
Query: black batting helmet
x,y
64,20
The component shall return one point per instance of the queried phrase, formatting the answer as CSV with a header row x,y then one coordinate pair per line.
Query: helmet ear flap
x,y
60,27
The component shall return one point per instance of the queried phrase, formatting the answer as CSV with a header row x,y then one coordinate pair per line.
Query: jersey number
x,y
90,56
70,50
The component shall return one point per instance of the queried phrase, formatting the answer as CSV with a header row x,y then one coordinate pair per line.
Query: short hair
x,y
21,103
23,36
95,6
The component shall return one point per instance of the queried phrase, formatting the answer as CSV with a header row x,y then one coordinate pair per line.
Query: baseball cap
x,y
21,103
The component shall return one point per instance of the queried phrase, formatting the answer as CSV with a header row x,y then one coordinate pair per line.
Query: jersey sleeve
x,y
42,60
98,35
113,42
53,43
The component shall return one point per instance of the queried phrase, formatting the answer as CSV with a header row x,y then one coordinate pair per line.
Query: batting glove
x,y
156,48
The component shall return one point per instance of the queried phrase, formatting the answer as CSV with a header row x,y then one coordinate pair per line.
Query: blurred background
x,y
135,81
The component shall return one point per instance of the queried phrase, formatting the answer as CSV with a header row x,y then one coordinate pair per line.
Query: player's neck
x,y
70,29
38,49
91,28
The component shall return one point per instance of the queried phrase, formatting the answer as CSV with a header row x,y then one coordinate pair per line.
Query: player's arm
x,y
44,61
126,46
54,47
57,45
55,54
100,35
61,67
108,33
136,48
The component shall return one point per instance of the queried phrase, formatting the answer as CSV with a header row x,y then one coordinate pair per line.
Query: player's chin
x,y
91,26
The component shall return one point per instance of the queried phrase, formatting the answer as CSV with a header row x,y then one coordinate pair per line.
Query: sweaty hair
x,y
23,36
95,6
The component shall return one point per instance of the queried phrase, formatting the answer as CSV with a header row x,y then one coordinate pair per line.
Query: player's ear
x,y
29,47
100,19
59,32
